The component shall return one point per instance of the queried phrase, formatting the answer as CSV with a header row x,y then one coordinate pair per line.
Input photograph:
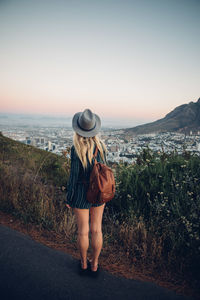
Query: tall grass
x,y
32,185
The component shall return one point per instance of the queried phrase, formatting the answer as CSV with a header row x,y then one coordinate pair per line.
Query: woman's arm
x,y
74,172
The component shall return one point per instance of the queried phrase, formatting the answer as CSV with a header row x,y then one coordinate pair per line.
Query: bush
x,y
164,192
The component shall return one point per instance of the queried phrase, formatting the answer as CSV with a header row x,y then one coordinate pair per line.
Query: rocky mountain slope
x,y
184,118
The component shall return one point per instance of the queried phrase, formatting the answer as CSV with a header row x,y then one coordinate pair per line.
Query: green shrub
x,y
164,191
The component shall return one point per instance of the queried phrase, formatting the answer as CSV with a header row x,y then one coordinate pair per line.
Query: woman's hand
x,y
68,206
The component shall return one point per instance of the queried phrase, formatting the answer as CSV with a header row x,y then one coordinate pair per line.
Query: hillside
x,y
152,223
37,163
183,118
32,182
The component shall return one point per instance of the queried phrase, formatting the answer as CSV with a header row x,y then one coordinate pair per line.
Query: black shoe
x,y
82,271
94,274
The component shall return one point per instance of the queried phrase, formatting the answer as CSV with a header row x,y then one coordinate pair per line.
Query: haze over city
x,y
131,62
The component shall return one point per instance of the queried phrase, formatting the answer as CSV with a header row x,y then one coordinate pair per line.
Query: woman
x,y
86,126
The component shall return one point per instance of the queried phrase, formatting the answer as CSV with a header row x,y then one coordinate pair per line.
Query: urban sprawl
x,y
121,147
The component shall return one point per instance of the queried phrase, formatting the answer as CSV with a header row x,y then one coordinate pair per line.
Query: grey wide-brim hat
x,y
86,123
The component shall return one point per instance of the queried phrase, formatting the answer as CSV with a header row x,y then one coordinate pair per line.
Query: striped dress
x,y
76,188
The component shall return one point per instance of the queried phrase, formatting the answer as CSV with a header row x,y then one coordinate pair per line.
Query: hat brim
x,y
86,133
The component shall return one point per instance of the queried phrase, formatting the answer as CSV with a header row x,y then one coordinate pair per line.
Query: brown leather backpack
x,y
102,183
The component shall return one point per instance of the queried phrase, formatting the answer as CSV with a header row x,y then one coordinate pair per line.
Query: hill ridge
x,y
183,119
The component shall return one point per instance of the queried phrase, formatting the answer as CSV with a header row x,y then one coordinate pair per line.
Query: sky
x,y
128,61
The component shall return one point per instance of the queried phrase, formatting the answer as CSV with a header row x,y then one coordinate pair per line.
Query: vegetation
x,y
154,218
32,184
157,209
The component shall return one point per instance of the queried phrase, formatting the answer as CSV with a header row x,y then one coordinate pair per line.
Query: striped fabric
x,y
76,188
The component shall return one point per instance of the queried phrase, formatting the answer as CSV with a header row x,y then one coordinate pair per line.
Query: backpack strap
x,y
95,153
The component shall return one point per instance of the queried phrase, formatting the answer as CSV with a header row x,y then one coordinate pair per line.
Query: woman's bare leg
x,y
82,218
96,214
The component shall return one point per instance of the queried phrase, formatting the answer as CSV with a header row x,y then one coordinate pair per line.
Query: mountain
x,y
183,119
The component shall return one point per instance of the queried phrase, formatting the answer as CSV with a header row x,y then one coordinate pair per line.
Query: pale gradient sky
x,y
128,60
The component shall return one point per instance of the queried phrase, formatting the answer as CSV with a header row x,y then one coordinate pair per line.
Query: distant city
x,y
120,147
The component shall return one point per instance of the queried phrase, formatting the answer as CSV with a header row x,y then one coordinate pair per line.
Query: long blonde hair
x,y
84,147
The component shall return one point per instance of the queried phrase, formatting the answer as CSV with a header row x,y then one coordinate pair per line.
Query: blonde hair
x,y
84,147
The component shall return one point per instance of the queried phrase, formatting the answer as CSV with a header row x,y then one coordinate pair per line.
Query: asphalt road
x,y
30,270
